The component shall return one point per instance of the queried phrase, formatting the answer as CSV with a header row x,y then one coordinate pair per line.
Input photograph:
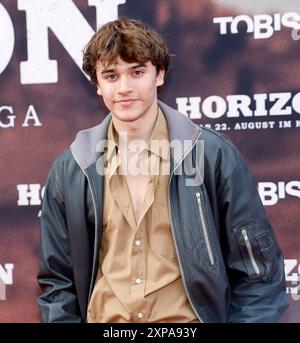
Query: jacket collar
x,y
89,144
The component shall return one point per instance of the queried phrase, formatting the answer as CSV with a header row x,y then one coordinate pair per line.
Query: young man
x,y
129,234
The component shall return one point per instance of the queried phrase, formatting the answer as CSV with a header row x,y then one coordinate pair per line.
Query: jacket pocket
x,y
248,251
203,221
269,252
257,249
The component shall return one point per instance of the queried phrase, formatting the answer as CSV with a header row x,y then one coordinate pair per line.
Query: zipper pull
x,y
244,232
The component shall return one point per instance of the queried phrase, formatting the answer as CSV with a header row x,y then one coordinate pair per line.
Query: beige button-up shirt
x,y
138,278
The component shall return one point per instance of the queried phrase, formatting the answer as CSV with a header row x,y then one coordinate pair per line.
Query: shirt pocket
x,y
160,236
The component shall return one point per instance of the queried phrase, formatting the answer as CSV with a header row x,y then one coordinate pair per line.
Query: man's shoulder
x,y
215,141
219,152
63,157
63,160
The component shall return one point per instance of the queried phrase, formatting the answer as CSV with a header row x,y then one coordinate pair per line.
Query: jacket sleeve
x,y
58,302
254,260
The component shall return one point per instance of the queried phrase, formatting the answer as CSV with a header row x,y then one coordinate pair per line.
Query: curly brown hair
x,y
130,39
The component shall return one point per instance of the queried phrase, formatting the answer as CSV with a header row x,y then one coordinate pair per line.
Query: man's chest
x,y
137,187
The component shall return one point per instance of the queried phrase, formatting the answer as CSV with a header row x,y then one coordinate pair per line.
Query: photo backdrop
x,y
236,68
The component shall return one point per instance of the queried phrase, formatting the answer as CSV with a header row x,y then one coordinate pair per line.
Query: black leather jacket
x,y
230,261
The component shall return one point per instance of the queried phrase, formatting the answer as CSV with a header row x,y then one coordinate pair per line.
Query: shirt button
x,y
140,315
138,242
105,149
105,164
138,281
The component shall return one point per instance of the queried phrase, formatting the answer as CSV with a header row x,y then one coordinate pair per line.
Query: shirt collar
x,y
159,140
158,143
112,145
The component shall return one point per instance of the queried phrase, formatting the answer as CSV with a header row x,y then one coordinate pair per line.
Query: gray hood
x,y
89,144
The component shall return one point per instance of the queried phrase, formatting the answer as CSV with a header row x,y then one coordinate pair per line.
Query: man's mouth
x,y
126,102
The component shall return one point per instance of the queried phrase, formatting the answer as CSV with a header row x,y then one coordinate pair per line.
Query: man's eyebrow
x,y
105,71
112,70
139,66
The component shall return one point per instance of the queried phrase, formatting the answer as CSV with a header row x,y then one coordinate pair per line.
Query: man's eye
x,y
111,77
138,72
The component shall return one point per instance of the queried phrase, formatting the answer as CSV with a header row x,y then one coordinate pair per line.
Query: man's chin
x,y
127,118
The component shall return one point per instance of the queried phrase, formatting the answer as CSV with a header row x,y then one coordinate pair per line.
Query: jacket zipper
x,y
175,243
96,238
205,231
96,224
250,252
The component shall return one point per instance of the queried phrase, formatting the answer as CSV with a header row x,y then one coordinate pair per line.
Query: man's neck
x,y
140,129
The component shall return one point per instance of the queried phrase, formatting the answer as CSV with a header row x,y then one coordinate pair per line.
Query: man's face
x,y
129,90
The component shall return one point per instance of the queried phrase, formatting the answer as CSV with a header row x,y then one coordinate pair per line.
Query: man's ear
x,y
99,90
160,78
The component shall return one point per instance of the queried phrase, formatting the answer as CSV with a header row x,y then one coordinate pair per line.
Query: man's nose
x,y
124,85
